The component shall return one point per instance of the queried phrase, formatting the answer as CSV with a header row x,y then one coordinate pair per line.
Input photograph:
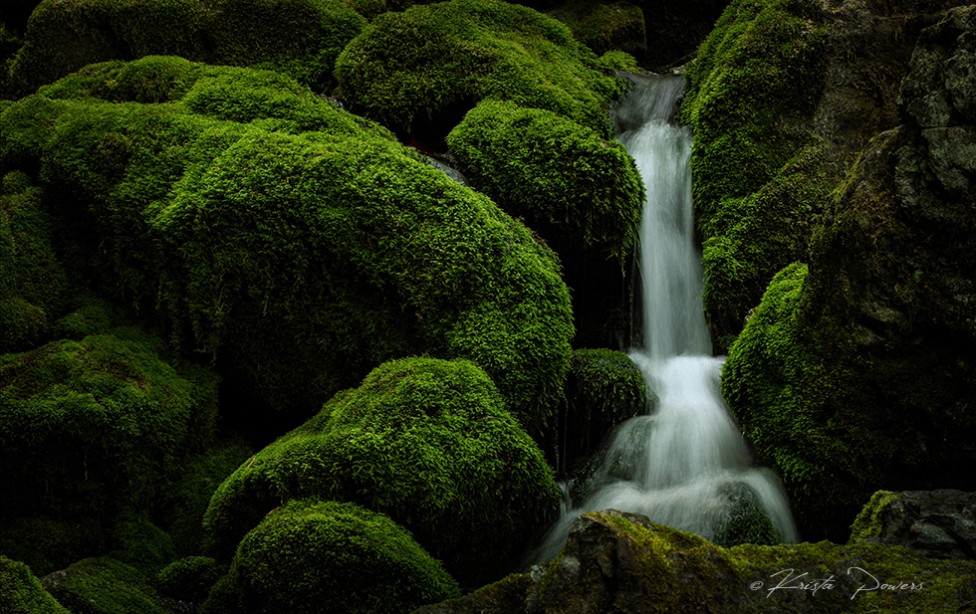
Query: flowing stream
x,y
684,464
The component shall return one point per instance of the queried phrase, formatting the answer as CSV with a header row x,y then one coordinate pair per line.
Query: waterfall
x,y
685,463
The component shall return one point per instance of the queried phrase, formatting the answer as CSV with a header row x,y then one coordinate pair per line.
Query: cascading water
x,y
684,464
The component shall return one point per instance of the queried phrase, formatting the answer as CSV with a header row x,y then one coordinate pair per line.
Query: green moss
x,y
310,556
605,26
48,543
93,425
867,525
140,543
298,37
190,578
32,282
427,442
21,592
579,190
305,259
430,64
757,78
90,317
104,586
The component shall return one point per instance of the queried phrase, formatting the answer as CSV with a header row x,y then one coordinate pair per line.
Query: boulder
x,y
938,524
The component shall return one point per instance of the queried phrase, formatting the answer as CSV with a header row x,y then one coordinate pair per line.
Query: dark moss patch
x,y
190,579
606,26
22,593
103,586
310,556
298,37
427,442
49,543
406,69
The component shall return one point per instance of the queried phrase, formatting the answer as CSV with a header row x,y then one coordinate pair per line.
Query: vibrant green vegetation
x,y
867,525
430,64
579,190
301,38
427,442
312,556
304,259
756,79
21,592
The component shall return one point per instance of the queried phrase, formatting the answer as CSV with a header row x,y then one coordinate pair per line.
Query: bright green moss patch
x,y
21,592
311,556
756,78
104,586
427,442
93,425
303,259
867,525
300,38
430,64
580,191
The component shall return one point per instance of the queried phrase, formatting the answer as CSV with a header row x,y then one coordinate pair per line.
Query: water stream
x,y
684,464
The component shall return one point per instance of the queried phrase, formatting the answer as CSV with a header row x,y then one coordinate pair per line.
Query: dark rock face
x,y
616,562
937,523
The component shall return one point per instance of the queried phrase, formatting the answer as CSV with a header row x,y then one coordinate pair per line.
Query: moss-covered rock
x,y
22,593
616,562
312,556
190,578
49,543
301,38
304,247
32,281
103,585
421,70
604,388
605,27
580,191
94,425
427,442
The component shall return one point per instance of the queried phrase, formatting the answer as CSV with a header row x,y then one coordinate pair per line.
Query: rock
x,y
618,562
935,523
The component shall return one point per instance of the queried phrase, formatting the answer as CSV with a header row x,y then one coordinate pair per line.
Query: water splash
x,y
685,464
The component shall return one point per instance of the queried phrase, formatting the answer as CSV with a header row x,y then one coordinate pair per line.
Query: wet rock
x,y
934,523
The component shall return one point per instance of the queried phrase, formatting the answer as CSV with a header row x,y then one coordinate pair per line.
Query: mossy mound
x,y
422,69
312,556
578,190
32,281
301,38
103,585
22,593
605,26
756,80
91,426
304,247
427,442
49,543
604,388
190,579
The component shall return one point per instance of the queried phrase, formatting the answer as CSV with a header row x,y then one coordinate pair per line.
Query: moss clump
x,y
90,426
310,556
298,37
425,67
580,191
867,525
190,578
32,281
605,26
757,78
21,592
103,586
140,543
303,259
427,442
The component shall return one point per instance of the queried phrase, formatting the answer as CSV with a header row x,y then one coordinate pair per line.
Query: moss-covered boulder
x,y
300,244
22,593
301,38
419,71
606,26
580,191
32,281
617,562
312,556
103,585
427,442
94,425
190,578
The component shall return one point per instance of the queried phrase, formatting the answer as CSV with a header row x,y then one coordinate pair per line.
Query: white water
x,y
677,464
